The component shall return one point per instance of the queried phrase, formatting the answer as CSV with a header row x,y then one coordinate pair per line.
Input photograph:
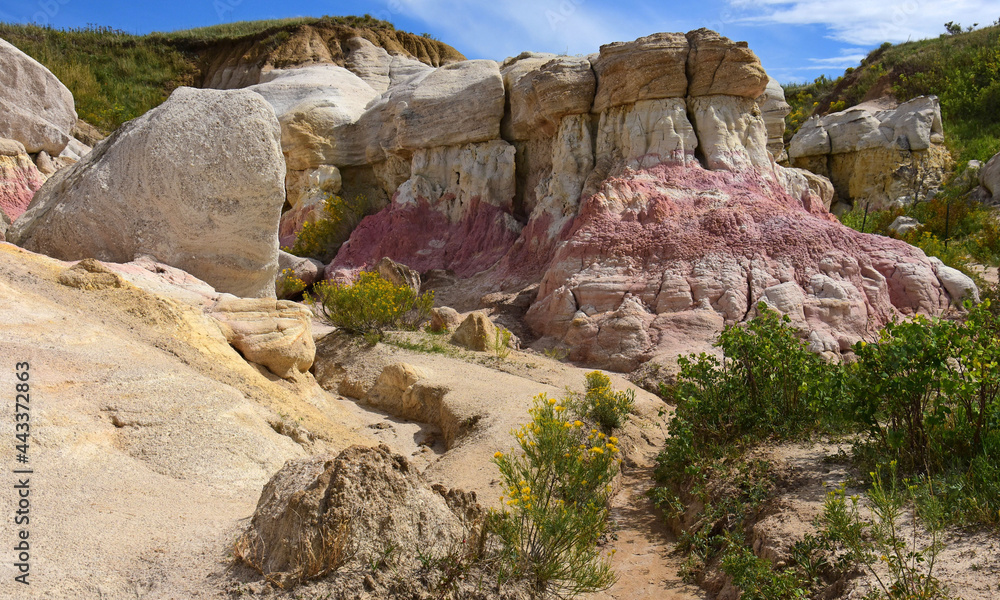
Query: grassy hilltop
x,y
116,76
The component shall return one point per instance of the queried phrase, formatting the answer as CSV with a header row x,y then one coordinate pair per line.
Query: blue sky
x,y
797,40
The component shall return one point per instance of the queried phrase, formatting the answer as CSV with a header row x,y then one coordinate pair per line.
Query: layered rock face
x,y
639,186
196,182
876,157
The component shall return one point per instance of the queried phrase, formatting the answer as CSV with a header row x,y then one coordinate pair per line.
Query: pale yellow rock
x,y
404,390
476,332
273,333
540,96
146,416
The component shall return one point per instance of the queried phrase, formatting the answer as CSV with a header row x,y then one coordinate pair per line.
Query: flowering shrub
x,y
322,238
370,305
287,284
609,408
555,502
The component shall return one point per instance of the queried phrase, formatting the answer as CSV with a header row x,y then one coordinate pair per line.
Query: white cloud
x,y
839,62
870,22
502,28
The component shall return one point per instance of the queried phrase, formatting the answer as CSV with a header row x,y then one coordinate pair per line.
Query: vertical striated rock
x,y
203,161
774,109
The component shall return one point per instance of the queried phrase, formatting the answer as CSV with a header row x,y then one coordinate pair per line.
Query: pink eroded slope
x,y
422,237
663,251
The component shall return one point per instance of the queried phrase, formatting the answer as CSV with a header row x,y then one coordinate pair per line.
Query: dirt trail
x,y
645,560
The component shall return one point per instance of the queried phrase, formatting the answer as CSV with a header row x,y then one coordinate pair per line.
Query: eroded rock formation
x,y
638,185
876,156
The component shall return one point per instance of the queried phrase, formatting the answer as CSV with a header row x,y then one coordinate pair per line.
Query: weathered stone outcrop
x,y
716,65
542,89
876,157
989,178
36,109
476,332
274,334
666,264
439,220
639,186
649,68
774,109
316,106
196,182
318,513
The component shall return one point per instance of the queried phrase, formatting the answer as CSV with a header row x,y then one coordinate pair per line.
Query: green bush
x,y
923,399
928,392
880,545
609,408
767,385
370,305
321,239
556,494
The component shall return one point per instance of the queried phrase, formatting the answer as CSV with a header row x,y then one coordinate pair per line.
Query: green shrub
x,y
757,578
928,392
881,539
322,238
767,385
371,305
609,408
556,492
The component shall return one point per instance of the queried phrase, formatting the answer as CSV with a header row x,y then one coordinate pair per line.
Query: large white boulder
x,y
197,182
36,109
457,104
317,107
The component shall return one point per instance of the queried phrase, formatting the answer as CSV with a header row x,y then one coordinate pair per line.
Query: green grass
x,y
244,29
114,76
424,346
